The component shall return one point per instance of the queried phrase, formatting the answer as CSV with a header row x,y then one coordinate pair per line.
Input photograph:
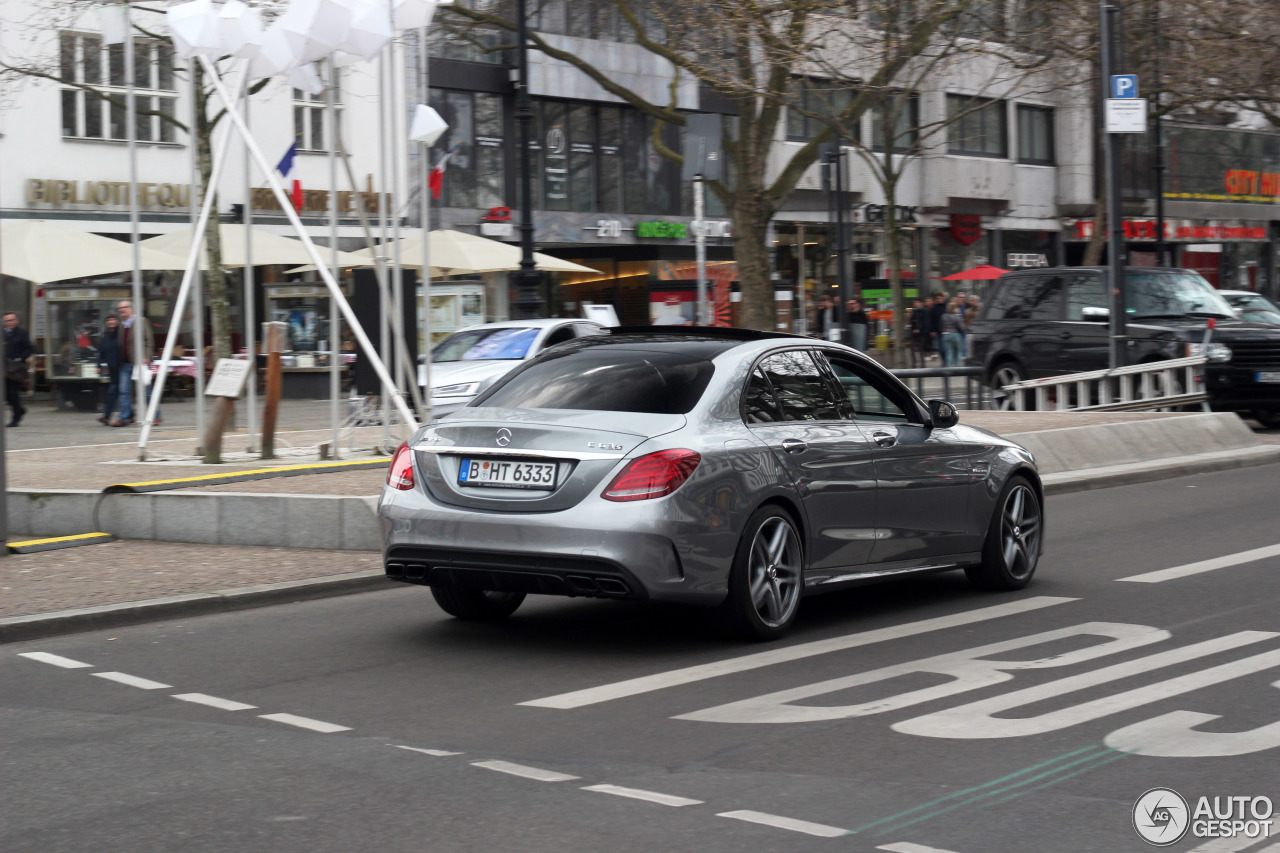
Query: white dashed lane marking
x,y
818,829
647,796
439,753
132,680
56,660
1205,565
688,675
213,702
305,723
908,847
525,772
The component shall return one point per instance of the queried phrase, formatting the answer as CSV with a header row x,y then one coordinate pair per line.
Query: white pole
x,y
397,271
380,254
141,360
189,272
316,260
700,238
424,171
249,310
335,339
197,281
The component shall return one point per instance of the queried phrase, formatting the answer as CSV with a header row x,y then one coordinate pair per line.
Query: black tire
x,y
476,605
1269,418
766,582
1013,546
1009,373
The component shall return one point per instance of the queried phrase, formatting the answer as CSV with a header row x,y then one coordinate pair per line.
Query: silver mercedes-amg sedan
x,y
721,467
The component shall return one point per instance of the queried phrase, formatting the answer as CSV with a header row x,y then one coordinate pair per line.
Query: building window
x,y
907,112
83,59
475,175
1035,135
810,101
310,127
977,127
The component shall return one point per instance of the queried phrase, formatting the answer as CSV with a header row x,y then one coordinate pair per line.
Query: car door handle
x,y
794,445
884,439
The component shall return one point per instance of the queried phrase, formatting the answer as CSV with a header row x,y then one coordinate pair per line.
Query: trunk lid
x,y
583,446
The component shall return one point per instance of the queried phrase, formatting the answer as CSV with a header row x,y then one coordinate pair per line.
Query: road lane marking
x,y
213,702
1205,565
688,675
305,723
818,829
439,753
1233,844
908,847
647,796
525,772
132,680
56,660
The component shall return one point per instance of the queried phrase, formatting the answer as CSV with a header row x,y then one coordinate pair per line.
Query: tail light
x,y
401,474
652,475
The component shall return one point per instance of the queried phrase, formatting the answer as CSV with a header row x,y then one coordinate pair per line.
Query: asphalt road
x,y
913,716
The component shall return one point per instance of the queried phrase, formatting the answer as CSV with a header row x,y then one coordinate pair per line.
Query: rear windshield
x,y
605,379
485,344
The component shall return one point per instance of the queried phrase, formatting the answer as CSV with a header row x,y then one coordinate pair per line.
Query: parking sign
x,y
1124,85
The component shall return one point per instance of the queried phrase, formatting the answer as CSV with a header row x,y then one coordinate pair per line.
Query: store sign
x,y
497,229
607,228
1018,260
662,230
1177,229
876,213
1220,164
966,228
718,229
105,193
72,293
318,201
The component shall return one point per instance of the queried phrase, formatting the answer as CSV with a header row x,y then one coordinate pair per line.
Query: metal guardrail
x,y
974,380
1155,385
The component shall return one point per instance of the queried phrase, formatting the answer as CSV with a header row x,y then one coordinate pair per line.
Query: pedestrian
x,y
858,324
918,323
109,362
17,376
952,338
936,312
822,317
131,372
971,312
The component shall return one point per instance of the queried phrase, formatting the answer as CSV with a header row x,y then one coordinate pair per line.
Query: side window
x,y
801,391
559,336
1085,291
1008,303
758,403
871,397
1046,298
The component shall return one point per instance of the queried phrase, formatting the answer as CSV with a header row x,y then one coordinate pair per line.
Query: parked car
x,y
727,468
1253,306
470,360
1049,322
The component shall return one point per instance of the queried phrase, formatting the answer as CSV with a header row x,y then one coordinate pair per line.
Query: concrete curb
x,y
1162,469
39,625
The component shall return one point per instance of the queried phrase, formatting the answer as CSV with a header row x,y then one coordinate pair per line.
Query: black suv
x,y
1047,322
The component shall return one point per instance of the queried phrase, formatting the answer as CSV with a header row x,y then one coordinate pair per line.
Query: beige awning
x,y
268,248
43,251
458,253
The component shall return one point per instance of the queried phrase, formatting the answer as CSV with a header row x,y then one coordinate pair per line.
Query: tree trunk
x,y
893,237
216,277
756,310
1098,239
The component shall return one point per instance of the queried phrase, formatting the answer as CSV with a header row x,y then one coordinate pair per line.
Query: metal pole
x,y
1115,214
250,308
700,238
335,339
197,281
384,299
140,362
1159,167
803,326
528,303
842,249
397,269
424,61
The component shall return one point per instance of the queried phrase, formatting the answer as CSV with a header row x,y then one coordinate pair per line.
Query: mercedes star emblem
x,y
504,437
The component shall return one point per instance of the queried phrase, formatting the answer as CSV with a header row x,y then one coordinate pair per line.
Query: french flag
x,y
285,168
435,180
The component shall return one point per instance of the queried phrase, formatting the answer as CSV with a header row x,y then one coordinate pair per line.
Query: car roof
x,y
529,324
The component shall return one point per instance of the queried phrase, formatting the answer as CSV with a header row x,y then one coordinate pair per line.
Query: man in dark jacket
x,y
936,310
17,349
109,360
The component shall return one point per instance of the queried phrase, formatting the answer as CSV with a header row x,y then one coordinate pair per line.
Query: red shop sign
x,y
966,228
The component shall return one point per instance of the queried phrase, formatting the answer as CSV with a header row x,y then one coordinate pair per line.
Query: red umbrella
x,y
986,272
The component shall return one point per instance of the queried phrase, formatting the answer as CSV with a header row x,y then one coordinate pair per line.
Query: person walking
x,y
952,326
109,361
131,324
971,312
858,324
821,318
936,312
17,376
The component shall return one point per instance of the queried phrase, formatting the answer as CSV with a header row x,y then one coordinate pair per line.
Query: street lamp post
x,y
528,302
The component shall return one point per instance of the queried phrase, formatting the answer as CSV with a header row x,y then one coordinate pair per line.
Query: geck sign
x,y
50,191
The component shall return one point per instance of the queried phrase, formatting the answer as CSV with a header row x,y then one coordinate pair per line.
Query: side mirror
x,y
942,414
1095,315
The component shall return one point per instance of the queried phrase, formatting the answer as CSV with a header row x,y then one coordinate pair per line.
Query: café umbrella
x,y
268,248
41,252
458,253
985,272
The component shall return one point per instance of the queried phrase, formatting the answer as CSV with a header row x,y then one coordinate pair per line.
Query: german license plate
x,y
507,474
1269,376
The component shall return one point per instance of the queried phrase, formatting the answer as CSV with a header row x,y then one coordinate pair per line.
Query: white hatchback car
x,y
471,359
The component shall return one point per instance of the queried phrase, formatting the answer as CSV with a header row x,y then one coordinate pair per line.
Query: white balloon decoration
x,y
240,28
427,125
194,27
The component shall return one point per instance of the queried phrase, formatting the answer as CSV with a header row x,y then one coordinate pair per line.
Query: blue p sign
x,y
1124,85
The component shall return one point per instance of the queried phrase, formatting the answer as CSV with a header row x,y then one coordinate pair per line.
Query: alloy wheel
x,y
774,570
1004,375
1020,531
